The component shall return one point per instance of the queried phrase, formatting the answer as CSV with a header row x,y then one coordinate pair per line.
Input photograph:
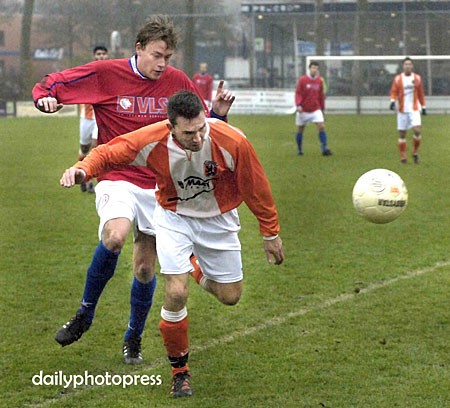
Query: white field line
x,y
273,322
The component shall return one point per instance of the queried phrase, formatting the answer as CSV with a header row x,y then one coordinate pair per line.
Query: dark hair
x,y
158,28
99,48
185,104
315,63
406,59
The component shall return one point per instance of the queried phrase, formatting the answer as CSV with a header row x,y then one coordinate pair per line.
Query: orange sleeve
x,y
421,92
255,189
121,150
394,89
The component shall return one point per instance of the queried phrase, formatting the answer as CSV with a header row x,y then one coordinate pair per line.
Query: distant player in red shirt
x,y
126,94
204,83
310,102
88,126
205,169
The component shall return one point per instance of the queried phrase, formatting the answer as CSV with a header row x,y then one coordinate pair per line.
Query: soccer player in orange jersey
x,y
88,125
204,169
407,92
126,93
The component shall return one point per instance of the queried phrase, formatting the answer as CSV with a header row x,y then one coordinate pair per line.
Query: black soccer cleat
x,y
300,152
327,152
181,385
83,187
72,330
416,159
132,350
90,187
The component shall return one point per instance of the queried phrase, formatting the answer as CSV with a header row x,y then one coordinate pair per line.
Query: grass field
x,y
357,316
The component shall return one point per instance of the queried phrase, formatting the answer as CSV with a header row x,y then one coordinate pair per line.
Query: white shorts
x,y
121,199
214,241
303,118
408,120
88,131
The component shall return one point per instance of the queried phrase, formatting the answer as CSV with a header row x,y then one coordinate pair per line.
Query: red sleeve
x,y
298,92
71,86
321,96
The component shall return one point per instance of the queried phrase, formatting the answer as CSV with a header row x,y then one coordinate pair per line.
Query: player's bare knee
x,y
177,294
229,297
113,239
144,273
230,300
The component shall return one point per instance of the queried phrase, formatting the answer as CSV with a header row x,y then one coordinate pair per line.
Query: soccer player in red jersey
x,y
310,102
126,94
204,83
204,168
407,91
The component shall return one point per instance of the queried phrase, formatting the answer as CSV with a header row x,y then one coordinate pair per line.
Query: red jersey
x,y
214,180
204,83
123,99
309,93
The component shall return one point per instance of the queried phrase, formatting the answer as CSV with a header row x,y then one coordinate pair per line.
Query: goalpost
x,y
365,77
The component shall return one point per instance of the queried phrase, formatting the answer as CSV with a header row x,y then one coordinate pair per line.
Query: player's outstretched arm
x,y
71,177
48,105
222,101
274,250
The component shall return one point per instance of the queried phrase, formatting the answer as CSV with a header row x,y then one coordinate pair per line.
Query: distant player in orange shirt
x,y
88,125
204,170
407,92
204,83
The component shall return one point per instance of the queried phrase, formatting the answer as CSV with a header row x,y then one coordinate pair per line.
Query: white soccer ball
x,y
380,196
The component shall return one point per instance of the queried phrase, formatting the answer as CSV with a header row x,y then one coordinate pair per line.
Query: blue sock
x,y
323,139
99,273
299,139
141,301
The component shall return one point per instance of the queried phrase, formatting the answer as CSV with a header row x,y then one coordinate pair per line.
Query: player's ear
x,y
138,47
170,127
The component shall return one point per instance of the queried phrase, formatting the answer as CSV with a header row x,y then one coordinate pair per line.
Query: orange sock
x,y
402,148
197,273
175,371
175,337
416,143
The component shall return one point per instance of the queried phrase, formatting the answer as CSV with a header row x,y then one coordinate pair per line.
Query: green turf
x,y
357,316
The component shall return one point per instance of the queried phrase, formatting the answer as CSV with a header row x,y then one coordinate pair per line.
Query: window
x,y
2,38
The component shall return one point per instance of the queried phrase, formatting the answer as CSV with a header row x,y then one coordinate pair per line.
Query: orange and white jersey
x,y
87,111
207,183
408,91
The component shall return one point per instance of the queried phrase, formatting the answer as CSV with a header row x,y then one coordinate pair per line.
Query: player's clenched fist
x,y
49,105
71,177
